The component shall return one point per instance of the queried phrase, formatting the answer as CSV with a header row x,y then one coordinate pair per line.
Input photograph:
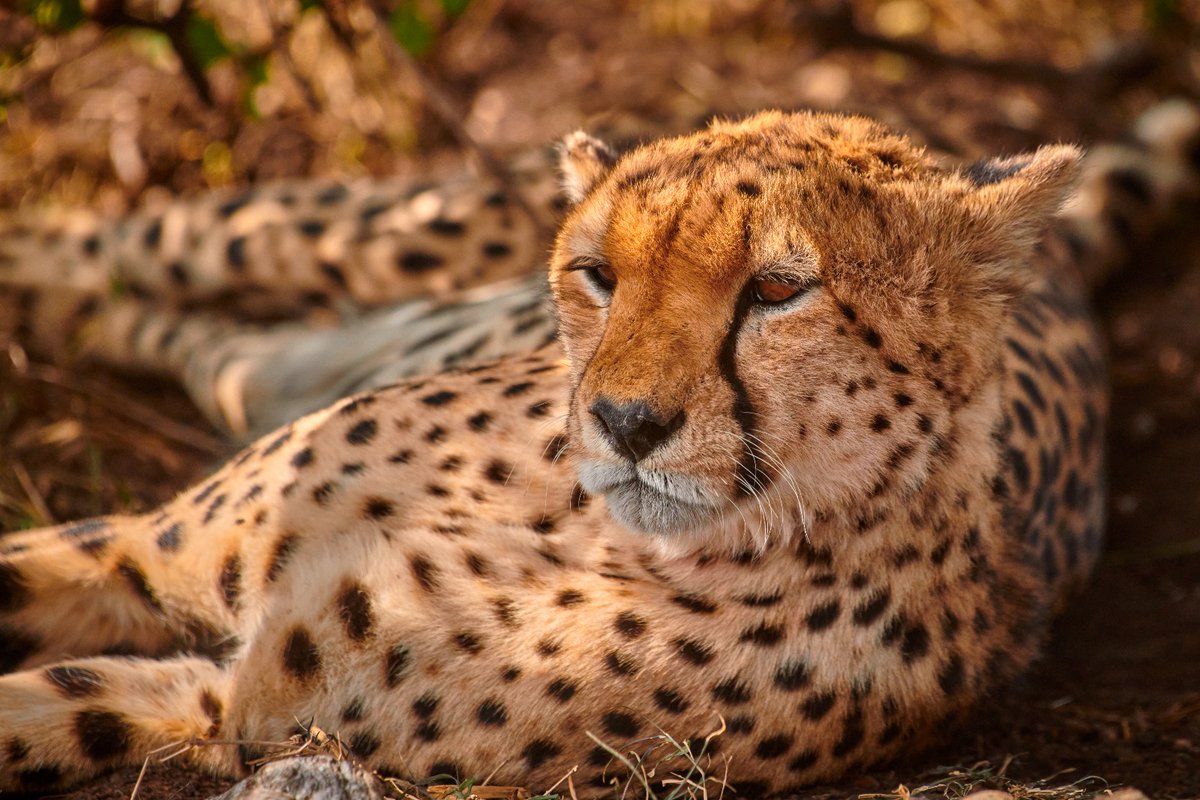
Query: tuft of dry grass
x,y
957,782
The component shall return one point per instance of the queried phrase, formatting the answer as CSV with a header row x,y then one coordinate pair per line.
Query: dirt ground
x,y
1115,701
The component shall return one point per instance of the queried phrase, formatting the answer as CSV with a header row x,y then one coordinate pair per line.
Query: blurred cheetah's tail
x,y
1131,190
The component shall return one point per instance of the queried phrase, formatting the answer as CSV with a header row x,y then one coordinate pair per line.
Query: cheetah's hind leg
x,y
68,722
83,589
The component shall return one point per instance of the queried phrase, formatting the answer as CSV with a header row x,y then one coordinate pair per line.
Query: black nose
x,y
634,428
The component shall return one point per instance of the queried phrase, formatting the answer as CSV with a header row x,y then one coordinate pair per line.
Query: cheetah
x,y
815,456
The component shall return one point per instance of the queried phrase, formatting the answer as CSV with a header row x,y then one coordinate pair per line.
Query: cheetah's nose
x,y
634,428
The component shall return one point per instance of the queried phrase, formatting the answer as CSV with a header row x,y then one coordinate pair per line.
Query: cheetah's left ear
x,y
584,160
1016,197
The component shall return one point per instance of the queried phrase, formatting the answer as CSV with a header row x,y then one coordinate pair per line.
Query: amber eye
x,y
772,291
599,274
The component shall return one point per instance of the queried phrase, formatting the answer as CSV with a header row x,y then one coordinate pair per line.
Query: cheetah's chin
x,y
650,501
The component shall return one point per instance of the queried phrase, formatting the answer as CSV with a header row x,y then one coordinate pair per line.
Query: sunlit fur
x,y
687,223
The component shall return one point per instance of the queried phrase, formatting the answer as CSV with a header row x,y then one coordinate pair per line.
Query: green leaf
x,y
257,73
1162,14
455,7
411,29
57,16
205,41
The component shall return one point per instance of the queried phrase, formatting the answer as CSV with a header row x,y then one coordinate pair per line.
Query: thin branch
x,y
113,15
125,406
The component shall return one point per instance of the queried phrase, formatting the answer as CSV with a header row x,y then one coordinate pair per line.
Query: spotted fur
x,y
851,514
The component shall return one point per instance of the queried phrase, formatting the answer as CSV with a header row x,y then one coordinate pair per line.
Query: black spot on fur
x,y
75,682
562,689
872,337
915,643
761,600
695,652
301,659
620,664
354,609
518,388
103,735
569,597
539,751
620,724
425,705
416,262
763,635
230,581
445,227
364,744
630,625
555,448
395,664
496,250
425,573
235,253
852,734
39,778
378,508
153,234
439,398
872,608
816,706
498,471
952,676
139,584
774,746
695,603
492,712
823,616
362,432
355,710
732,691
803,760
312,228
670,700
749,188
468,642
280,555
170,538
792,675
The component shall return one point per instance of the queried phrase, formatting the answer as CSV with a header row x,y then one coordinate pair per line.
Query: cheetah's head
x,y
784,315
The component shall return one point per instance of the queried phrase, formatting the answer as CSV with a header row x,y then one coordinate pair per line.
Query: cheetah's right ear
x,y
1021,194
584,160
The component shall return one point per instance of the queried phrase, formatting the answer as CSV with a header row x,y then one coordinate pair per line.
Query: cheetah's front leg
x,y
70,721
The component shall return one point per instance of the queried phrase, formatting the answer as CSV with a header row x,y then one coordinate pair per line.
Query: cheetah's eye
x,y
599,273
773,291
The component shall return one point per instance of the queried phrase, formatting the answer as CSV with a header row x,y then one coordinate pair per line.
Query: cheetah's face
x,y
780,316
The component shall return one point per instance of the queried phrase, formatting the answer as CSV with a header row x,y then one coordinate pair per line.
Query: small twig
x,y
141,775
174,28
130,409
31,490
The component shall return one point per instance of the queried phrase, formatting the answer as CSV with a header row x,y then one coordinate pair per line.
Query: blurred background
x,y
111,105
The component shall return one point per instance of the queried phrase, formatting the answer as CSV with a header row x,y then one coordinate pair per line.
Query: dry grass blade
x,y
128,408
959,782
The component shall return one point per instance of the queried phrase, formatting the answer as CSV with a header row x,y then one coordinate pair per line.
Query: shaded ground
x,y
1118,694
